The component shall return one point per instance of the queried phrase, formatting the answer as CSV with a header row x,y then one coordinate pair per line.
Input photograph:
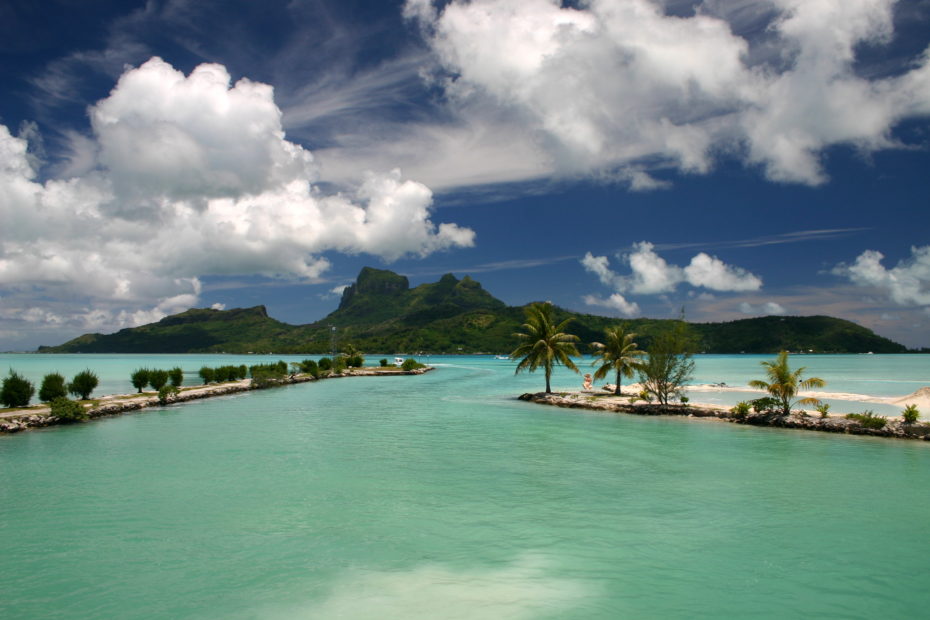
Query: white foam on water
x,y
523,589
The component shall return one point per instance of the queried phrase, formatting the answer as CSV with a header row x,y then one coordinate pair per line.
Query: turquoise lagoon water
x,y
441,496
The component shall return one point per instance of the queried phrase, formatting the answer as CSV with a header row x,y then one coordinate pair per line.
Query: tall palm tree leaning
x,y
784,385
543,343
618,353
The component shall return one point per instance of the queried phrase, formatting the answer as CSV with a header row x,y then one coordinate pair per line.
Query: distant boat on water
x,y
502,357
398,361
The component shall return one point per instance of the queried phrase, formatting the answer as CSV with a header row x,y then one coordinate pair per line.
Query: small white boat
x,y
398,361
502,357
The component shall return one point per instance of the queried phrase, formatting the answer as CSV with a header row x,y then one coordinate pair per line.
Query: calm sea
x,y
441,496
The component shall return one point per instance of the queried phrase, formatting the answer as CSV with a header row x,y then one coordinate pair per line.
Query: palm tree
x,y
543,343
784,384
619,353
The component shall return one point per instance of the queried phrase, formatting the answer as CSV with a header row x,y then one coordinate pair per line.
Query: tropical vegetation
x,y
544,343
176,376
207,374
67,409
618,354
139,378
784,384
16,390
53,386
411,364
83,384
166,393
868,419
381,312
669,363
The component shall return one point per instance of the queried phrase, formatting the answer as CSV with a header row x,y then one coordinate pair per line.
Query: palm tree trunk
x,y
617,391
548,374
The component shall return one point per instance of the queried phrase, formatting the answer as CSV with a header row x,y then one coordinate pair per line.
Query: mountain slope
x,y
381,313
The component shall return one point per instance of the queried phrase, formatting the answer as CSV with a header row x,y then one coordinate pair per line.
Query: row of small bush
x,y
867,419
409,364
17,391
266,375
222,374
156,378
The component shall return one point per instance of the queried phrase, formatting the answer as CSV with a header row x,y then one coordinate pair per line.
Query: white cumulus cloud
x,y
768,308
186,176
616,302
906,284
650,274
711,272
607,85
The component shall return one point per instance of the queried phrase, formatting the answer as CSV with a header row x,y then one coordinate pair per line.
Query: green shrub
x,y
222,374
310,367
176,376
910,414
766,404
867,419
355,361
83,384
140,378
339,364
684,400
325,364
277,370
68,410
166,393
158,379
53,386
411,364
265,378
824,410
645,395
383,362
16,390
207,374
741,409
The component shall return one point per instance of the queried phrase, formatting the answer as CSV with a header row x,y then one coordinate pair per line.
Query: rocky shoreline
x,y
116,404
798,420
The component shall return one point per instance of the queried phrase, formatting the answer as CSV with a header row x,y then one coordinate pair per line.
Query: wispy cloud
x,y
800,236
506,265
339,94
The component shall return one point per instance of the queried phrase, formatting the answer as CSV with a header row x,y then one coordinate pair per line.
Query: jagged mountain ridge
x,y
381,313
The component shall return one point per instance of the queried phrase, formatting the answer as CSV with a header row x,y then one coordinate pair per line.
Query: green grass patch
x,y
868,419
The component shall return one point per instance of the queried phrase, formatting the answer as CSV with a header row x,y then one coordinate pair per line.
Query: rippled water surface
x,y
441,496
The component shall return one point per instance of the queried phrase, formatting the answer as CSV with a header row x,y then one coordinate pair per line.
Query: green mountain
x,y
381,313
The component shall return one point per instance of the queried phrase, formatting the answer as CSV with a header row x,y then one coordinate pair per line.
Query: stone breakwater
x,y
117,404
798,420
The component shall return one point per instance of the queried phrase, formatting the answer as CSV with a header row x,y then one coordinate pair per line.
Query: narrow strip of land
x,y
12,421
893,427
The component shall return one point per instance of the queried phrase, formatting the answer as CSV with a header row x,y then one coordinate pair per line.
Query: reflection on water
x,y
523,589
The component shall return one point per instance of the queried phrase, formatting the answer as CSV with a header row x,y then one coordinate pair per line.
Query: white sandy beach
x,y
920,398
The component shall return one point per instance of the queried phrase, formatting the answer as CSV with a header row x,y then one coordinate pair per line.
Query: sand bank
x,y
920,397
894,427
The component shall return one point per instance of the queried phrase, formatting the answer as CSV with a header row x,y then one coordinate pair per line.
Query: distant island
x,y
381,313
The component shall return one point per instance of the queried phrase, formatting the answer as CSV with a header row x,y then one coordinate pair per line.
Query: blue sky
x,y
621,157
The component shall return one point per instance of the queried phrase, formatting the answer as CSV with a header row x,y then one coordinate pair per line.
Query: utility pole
x,y
333,341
